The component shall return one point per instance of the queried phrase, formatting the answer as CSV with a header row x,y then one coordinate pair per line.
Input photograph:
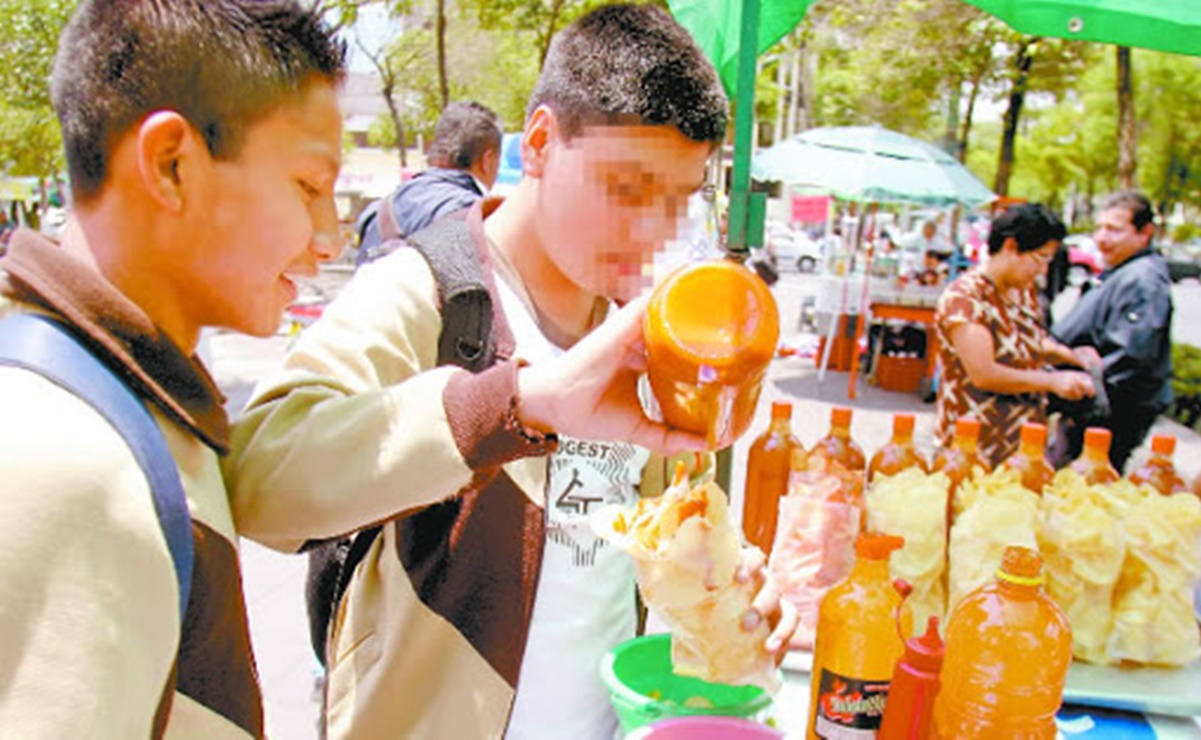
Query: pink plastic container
x,y
705,728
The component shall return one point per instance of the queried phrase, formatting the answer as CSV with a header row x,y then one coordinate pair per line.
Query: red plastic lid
x,y
902,425
781,410
966,426
840,416
1163,444
1097,437
1034,434
877,546
926,651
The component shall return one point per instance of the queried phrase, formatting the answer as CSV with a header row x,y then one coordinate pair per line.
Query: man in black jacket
x,y
464,159
1127,319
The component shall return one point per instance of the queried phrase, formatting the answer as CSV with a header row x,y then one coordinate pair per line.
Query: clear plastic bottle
x,y
1031,458
1159,471
768,467
1093,464
958,460
910,707
1008,651
838,445
857,644
899,453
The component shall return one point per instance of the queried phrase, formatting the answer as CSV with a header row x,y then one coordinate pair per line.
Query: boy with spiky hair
x,y
484,607
203,139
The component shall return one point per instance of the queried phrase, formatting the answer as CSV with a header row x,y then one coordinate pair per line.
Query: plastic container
x,y
900,374
910,707
1159,471
769,465
899,453
643,688
838,445
1093,464
1008,651
711,329
958,460
705,728
1031,458
857,644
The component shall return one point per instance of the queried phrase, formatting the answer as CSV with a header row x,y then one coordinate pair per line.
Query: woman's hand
x,y
1071,384
780,614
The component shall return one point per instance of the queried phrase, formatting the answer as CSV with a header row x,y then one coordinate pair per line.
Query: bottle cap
x,y
1021,565
966,426
1163,444
1097,438
925,652
781,410
1035,434
840,416
902,425
874,546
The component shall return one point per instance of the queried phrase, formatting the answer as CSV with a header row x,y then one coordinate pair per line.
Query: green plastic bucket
x,y
643,689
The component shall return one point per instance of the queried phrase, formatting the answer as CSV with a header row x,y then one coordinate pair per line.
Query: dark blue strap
x,y
45,346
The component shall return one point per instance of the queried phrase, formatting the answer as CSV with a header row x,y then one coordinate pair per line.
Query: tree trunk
x,y
783,64
1017,96
556,8
1127,153
440,29
389,92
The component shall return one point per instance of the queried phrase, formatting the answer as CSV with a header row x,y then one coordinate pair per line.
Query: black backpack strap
x,y
467,340
47,347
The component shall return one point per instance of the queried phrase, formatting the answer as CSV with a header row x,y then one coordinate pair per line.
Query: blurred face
x,y
1037,261
267,218
1117,238
610,197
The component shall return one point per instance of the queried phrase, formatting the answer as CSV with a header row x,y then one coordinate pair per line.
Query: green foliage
x,y
30,141
1186,385
1186,231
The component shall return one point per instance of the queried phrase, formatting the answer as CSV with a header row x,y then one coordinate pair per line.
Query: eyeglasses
x,y
1041,257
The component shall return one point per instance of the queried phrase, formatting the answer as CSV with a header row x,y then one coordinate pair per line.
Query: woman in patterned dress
x,y
997,358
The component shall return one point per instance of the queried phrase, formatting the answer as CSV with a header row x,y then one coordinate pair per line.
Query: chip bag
x,y
686,552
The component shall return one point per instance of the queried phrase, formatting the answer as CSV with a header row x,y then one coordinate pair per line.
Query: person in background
x,y
203,140
993,347
464,160
1127,321
485,605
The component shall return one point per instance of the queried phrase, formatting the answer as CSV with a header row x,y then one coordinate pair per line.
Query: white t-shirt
x,y
584,604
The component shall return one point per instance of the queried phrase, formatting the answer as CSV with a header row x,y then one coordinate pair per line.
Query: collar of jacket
x,y
36,270
1146,252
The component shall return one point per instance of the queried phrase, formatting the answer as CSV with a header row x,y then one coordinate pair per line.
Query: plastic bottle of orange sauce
x,y
1008,651
711,329
768,467
910,707
958,460
838,445
1031,460
1159,471
1093,464
899,453
857,644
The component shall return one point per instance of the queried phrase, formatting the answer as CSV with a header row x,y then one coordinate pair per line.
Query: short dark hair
x,y
1031,225
631,64
1141,210
221,64
465,131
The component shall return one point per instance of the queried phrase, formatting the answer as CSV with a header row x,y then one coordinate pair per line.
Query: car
x,y
793,247
1184,261
1084,258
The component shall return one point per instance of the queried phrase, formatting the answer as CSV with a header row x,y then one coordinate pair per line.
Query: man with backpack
x,y
483,604
203,140
464,160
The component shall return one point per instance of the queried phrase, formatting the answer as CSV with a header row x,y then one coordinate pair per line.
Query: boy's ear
x,y
540,130
166,150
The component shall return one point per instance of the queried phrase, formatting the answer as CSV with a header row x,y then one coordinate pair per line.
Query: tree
x,y
1127,142
543,18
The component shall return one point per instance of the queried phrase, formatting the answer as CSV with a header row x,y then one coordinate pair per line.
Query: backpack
x,y
48,347
465,305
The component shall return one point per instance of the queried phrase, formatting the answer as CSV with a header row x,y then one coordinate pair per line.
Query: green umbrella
x,y
715,24
1165,25
870,164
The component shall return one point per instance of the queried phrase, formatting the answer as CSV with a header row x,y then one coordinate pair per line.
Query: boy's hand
x,y
591,391
781,615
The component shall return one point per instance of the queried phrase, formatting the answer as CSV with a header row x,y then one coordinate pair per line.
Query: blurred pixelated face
x,y
269,215
612,196
1038,260
1117,238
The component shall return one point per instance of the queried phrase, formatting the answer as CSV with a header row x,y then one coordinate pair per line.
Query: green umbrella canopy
x,y
1165,25
870,163
715,25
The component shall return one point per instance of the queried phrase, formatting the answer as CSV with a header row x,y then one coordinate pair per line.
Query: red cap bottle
x,y
910,705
